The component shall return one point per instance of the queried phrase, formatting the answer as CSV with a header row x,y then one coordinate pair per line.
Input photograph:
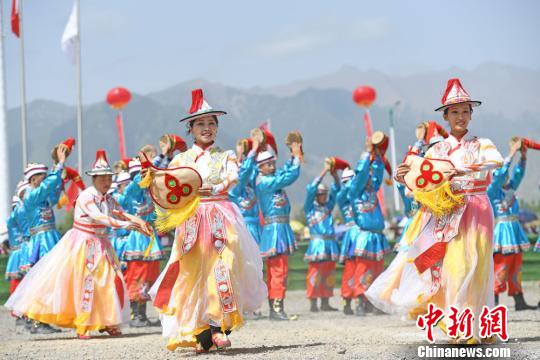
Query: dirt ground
x,y
312,336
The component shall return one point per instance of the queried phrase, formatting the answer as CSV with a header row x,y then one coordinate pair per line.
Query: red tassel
x,y
196,100
121,140
119,285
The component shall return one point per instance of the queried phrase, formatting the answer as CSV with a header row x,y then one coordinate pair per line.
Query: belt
x,y
214,198
97,230
42,228
323,237
279,219
506,218
469,187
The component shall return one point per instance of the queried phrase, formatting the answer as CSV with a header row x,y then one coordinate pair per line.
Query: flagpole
x,y
4,149
23,87
79,94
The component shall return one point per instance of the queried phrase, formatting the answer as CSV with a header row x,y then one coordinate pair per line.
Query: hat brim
x,y
99,172
474,103
203,114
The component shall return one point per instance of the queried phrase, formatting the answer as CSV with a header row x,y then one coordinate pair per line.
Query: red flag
x,y
15,17
121,141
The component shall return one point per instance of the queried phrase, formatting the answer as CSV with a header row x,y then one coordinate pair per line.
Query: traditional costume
x,y
78,284
141,253
348,243
15,240
38,204
215,270
243,195
119,237
277,239
449,260
509,239
322,252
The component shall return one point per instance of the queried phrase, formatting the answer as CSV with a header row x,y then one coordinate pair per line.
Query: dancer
x,y
509,239
322,252
277,239
450,258
214,273
82,265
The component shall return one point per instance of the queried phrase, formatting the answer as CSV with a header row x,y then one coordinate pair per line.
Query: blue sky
x,y
149,45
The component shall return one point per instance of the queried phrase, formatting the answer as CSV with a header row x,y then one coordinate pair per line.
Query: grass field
x,y
298,268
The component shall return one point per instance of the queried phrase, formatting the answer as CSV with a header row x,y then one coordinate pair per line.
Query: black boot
x,y
347,309
143,318
521,304
277,311
135,321
496,299
325,305
40,328
360,309
313,307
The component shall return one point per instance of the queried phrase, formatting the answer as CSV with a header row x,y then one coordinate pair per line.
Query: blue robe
x,y
15,239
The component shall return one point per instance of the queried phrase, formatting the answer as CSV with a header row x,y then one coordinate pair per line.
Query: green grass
x,y
298,269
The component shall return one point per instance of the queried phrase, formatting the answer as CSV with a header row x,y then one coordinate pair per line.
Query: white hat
x,y
21,186
322,189
264,157
101,165
34,169
14,200
347,174
134,166
122,178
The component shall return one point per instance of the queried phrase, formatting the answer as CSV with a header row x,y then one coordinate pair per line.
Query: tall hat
x,y
199,107
134,165
67,144
456,94
266,139
322,189
101,165
176,142
337,163
264,157
21,187
347,174
34,169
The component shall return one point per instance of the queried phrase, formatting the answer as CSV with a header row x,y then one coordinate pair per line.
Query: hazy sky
x,y
149,45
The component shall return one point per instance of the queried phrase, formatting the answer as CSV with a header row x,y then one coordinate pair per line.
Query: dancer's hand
x,y
401,171
205,190
296,149
61,153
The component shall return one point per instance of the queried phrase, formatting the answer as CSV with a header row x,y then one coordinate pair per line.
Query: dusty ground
x,y
312,336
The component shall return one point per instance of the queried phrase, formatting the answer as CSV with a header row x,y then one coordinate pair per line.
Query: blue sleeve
x,y
311,193
518,174
11,225
341,197
55,195
287,176
46,189
334,189
407,201
497,178
377,174
245,176
360,179
133,190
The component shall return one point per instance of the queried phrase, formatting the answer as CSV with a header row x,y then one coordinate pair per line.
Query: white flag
x,y
71,34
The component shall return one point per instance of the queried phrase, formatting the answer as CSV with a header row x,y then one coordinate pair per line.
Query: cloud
x,y
323,34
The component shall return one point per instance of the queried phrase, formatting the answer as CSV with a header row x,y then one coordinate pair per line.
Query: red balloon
x,y
364,96
118,97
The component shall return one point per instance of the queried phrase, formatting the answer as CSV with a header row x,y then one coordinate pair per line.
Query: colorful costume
x,y
371,245
509,239
409,210
79,283
243,195
277,239
322,252
15,238
449,260
38,205
214,273
348,243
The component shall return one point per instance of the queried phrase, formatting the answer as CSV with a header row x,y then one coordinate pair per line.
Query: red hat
x,y
270,140
456,94
246,144
337,163
69,143
199,107
175,141
101,165
529,144
434,131
66,144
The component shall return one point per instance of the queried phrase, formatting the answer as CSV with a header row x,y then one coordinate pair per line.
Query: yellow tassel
x,y
63,201
171,218
147,180
440,201
149,247
235,319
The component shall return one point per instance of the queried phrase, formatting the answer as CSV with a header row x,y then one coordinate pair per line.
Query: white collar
x,y
198,150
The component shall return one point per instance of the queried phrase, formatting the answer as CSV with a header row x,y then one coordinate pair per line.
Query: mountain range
x,y
320,108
